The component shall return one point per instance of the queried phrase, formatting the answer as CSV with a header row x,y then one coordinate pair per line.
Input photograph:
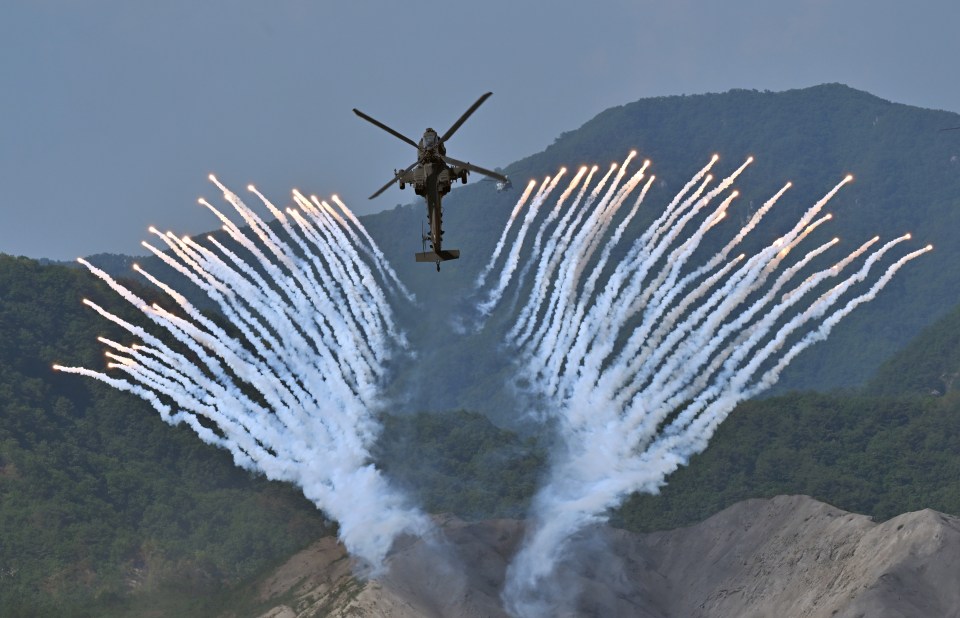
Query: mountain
x,y
907,179
107,511
789,556
928,365
104,509
880,456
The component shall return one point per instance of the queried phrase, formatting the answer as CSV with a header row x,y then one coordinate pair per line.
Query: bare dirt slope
x,y
789,556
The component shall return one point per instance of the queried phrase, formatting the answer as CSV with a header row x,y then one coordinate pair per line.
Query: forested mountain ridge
x,y
98,497
103,506
907,179
928,365
104,509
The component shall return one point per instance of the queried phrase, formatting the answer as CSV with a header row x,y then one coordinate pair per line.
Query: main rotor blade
x,y
463,118
395,178
950,129
376,122
475,168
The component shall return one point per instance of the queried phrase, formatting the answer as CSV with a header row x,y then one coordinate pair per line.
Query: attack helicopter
x,y
431,177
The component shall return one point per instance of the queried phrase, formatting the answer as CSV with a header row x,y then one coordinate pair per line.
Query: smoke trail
x,y
638,374
554,214
545,268
315,336
380,261
503,237
556,259
514,256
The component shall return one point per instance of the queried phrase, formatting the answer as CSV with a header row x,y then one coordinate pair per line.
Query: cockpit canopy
x,y
430,139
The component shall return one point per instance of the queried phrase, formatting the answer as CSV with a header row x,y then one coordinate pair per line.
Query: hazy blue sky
x,y
113,112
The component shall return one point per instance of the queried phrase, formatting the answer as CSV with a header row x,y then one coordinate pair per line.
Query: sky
x,y
113,113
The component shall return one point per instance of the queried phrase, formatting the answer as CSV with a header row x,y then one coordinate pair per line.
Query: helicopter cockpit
x,y
430,142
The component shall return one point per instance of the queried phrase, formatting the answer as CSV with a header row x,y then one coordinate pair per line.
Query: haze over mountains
x,y
130,507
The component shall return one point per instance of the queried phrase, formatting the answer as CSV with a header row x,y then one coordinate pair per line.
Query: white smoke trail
x,y
315,335
598,324
638,375
645,247
380,261
583,249
503,237
554,214
557,259
525,323
513,258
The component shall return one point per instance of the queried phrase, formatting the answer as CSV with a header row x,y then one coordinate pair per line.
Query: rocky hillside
x,y
788,556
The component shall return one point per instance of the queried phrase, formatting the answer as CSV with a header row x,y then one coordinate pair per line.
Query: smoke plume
x,y
637,373
293,390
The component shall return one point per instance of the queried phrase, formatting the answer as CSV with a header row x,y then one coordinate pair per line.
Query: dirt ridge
x,y
787,556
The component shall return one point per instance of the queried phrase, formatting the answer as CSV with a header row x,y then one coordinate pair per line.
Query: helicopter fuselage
x,y
431,179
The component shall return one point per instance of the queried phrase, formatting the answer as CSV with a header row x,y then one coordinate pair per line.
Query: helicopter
x,y
431,176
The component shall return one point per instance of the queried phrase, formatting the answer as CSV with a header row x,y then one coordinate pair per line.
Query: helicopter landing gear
x,y
438,265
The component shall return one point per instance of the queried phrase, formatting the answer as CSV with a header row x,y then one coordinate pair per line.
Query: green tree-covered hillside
x,y
928,365
98,497
879,456
105,510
